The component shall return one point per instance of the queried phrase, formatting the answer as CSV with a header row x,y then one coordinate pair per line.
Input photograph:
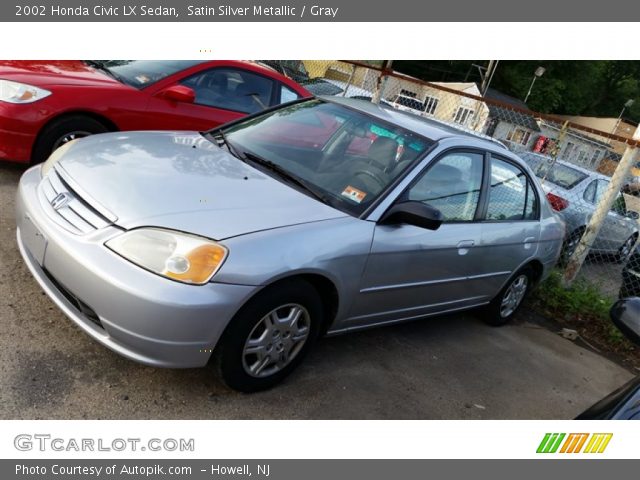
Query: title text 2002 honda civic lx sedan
x,y
253,239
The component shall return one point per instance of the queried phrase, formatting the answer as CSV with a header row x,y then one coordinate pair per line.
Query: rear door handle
x,y
528,241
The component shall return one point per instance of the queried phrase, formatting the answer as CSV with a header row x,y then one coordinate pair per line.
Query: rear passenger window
x,y
452,186
511,195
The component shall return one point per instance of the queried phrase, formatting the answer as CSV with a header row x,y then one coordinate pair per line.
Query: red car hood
x,y
53,72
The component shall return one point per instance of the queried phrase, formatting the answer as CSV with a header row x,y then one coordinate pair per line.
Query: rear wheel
x,y
570,245
505,305
270,336
64,130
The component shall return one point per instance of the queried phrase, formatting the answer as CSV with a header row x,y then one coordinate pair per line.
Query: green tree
x,y
572,87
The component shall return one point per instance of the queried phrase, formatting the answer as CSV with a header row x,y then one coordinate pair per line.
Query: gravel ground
x,y
452,367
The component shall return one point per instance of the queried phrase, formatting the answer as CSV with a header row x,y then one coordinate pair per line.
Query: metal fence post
x,y
602,209
382,82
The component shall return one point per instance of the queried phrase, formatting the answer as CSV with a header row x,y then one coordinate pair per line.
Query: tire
x,y
277,353
569,246
62,130
625,251
497,313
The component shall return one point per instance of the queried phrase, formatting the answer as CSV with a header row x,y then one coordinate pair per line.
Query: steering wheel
x,y
372,176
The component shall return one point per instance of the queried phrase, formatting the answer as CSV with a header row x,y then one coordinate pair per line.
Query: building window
x,y
581,156
595,157
408,93
430,104
568,151
463,115
519,135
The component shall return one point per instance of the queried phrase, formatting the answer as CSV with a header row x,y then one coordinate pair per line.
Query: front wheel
x,y
270,336
64,130
505,305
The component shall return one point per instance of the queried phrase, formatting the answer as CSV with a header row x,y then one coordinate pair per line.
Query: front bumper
x,y
135,313
17,134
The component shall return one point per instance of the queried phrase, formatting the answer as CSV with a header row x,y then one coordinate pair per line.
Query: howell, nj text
x,y
243,470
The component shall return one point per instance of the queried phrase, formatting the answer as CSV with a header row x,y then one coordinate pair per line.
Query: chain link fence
x,y
588,170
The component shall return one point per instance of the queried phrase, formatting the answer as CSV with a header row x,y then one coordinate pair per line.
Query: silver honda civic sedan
x,y
241,245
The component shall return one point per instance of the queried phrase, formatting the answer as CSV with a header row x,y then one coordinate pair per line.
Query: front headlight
x,y
179,256
14,92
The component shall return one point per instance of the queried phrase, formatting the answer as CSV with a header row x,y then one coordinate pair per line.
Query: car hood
x,y
53,72
182,181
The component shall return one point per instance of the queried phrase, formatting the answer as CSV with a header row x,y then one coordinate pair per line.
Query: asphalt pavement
x,y
452,367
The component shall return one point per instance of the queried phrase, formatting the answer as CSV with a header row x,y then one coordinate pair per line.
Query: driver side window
x,y
452,185
231,89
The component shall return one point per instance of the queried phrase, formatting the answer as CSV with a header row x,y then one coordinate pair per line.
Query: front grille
x,y
82,307
76,215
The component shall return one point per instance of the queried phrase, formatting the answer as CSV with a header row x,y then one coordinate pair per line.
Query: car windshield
x,y
142,73
342,156
556,173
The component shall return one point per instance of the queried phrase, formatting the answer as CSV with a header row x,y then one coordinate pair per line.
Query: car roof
x,y
427,127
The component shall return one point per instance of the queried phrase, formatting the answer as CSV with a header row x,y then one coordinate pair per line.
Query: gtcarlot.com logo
x,y
574,443
44,442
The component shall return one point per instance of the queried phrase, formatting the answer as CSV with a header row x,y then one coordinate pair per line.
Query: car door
x,y
222,94
412,271
511,225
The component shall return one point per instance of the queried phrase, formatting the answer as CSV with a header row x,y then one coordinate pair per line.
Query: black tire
x,y
626,249
230,358
569,246
53,135
494,314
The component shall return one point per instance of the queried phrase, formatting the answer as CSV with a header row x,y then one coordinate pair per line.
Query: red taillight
x,y
557,203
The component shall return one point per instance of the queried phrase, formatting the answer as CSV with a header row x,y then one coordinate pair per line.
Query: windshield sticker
x,y
354,194
142,79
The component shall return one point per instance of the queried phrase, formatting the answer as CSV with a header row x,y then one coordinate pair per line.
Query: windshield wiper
x,y
98,65
221,139
285,174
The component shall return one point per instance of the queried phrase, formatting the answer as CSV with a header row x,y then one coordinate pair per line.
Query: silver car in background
x,y
574,193
251,240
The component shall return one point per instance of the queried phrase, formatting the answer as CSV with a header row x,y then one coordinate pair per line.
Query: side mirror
x,y
626,316
178,93
413,213
633,215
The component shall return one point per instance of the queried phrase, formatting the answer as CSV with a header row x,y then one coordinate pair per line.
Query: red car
x,y
44,104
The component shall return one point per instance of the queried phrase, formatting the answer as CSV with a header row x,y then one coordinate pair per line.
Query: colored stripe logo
x,y
574,443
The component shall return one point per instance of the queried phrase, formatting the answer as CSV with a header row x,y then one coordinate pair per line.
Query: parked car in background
x,y
294,69
44,104
623,403
254,238
631,276
574,192
328,86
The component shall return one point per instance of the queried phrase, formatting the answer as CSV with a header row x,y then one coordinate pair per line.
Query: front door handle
x,y
466,244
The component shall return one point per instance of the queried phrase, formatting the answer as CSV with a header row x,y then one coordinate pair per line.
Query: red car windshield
x,y
142,73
